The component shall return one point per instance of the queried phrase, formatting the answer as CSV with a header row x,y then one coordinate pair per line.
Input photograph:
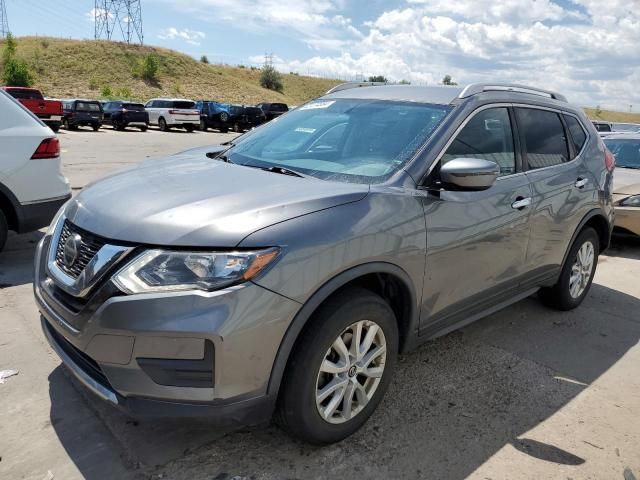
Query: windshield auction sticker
x,y
316,105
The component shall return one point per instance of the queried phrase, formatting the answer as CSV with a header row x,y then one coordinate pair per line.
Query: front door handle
x,y
581,182
521,203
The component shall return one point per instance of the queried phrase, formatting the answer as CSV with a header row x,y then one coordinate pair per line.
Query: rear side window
x,y
487,136
578,135
136,107
278,107
545,142
88,107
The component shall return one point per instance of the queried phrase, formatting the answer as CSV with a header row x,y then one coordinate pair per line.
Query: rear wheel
x,y
95,126
118,125
143,128
577,274
340,368
237,128
189,128
4,230
224,129
203,125
55,127
162,125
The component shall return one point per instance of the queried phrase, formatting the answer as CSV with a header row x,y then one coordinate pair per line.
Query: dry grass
x,y
81,68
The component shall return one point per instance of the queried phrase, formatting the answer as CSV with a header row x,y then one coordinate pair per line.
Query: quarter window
x,y
487,136
545,142
578,136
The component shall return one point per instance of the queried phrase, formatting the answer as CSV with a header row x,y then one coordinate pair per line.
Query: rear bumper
x,y
628,218
34,216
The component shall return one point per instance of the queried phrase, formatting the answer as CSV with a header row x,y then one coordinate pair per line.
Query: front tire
x,y
340,368
577,274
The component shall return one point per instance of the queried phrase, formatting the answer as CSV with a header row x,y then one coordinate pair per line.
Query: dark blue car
x,y
121,114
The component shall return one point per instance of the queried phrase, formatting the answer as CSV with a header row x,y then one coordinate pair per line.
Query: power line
x,y
4,22
122,15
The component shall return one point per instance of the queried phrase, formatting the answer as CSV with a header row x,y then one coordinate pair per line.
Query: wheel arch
x,y
386,279
596,219
10,207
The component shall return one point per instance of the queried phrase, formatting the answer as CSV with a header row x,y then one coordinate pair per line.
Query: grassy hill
x,y
82,68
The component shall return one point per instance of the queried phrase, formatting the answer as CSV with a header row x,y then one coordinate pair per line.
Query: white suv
x,y
32,187
173,112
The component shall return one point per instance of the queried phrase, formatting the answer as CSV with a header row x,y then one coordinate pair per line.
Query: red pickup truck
x,y
49,111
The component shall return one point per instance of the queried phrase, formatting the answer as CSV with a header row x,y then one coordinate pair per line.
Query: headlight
x,y
633,201
161,270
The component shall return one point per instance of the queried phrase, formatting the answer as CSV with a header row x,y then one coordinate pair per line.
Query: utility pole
x,y
268,59
112,16
4,23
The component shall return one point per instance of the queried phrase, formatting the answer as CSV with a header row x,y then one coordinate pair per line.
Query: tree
x,y
448,81
271,79
15,71
377,79
404,82
204,59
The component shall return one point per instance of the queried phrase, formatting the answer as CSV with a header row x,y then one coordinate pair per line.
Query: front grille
x,y
84,361
89,247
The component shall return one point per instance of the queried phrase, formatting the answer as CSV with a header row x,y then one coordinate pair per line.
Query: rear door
x,y
476,240
151,109
561,186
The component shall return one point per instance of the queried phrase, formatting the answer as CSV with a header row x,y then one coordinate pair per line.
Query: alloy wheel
x,y
350,372
582,269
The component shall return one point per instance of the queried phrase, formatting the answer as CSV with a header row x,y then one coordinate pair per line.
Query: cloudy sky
x,y
587,49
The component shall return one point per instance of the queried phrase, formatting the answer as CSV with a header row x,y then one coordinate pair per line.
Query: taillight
x,y
609,160
48,148
124,110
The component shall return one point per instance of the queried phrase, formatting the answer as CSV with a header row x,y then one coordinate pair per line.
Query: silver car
x,y
285,271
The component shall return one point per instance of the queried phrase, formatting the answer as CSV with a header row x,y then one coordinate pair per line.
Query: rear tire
x,y
95,126
189,128
224,129
577,273
55,127
237,128
162,125
4,230
203,125
325,354
143,128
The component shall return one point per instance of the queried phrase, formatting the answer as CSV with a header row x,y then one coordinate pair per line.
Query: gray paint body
x,y
460,253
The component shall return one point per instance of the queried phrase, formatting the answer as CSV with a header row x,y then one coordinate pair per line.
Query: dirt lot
x,y
524,393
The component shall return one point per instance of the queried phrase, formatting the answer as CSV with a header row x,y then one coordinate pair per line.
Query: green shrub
x,y
204,59
45,43
150,67
378,78
241,66
16,73
93,83
271,79
176,88
106,91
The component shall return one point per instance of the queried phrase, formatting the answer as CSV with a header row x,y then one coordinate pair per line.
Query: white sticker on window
x,y
305,130
315,105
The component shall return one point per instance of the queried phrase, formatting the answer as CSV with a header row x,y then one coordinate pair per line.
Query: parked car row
x,y
165,113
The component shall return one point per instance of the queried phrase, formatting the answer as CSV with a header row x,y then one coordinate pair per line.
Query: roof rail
x,y
476,88
349,85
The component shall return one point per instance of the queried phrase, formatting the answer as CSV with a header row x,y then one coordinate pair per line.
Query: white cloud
x,y
190,36
99,13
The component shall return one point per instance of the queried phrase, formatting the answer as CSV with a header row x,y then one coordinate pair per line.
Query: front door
x,y
476,240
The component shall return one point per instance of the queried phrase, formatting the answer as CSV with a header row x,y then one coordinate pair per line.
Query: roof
x,y
401,93
444,95
171,99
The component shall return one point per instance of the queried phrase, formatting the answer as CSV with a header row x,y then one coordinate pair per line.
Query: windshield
x,y
88,107
184,104
626,127
358,141
626,151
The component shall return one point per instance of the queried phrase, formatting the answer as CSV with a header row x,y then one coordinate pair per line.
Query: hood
x,y
191,200
626,181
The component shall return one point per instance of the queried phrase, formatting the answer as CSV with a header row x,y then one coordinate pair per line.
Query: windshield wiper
x,y
282,171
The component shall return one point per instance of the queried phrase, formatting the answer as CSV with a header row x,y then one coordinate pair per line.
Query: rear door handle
x,y
581,182
521,203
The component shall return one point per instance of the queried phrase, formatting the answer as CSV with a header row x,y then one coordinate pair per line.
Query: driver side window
x,y
487,136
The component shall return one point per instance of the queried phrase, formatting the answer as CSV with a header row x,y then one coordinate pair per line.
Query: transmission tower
x,y
4,23
124,16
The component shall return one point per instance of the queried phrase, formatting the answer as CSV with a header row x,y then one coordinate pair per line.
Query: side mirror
x,y
469,173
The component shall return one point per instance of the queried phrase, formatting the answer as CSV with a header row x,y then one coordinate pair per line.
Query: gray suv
x,y
284,272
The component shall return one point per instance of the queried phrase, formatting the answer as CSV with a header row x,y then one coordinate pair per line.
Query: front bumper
x,y
106,341
628,218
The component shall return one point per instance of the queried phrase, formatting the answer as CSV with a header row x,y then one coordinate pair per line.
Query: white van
x,y
32,187
173,112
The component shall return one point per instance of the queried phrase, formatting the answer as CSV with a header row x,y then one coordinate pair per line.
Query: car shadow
x,y
453,403
16,260
624,247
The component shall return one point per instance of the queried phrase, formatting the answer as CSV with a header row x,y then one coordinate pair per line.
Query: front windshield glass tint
x,y
626,151
359,141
